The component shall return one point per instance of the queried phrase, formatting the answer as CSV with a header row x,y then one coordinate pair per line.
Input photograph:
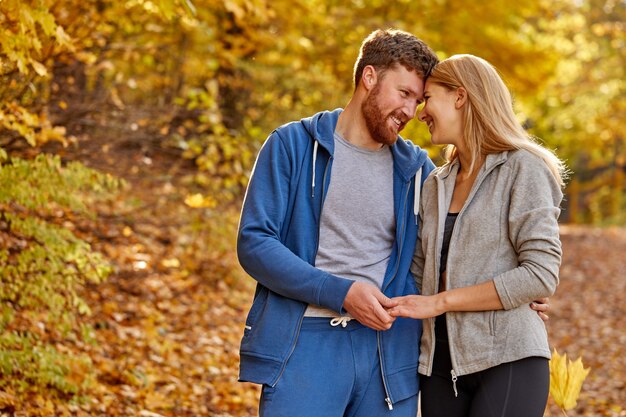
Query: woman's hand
x,y
417,306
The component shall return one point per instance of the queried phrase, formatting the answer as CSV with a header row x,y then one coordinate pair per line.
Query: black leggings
x,y
514,389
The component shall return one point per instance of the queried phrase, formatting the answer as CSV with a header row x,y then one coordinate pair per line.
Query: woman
x,y
491,248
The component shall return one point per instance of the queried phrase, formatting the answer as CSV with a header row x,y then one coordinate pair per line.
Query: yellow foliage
x,y
566,380
200,201
7,400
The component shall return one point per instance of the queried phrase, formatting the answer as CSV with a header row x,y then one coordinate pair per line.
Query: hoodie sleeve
x,y
259,246
534,233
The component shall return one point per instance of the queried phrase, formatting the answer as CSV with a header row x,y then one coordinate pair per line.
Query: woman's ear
x,y
369,77
461,97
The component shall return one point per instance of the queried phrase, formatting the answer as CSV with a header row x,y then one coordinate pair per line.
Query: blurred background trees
x,y
216,76
206,81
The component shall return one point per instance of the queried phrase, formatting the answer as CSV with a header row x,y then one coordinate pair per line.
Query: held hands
x,y
368,305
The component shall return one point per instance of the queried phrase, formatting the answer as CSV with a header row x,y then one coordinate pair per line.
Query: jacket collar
x,y
321,127
491,161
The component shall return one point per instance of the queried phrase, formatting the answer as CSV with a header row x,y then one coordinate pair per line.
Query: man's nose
x,y
410,108
422,115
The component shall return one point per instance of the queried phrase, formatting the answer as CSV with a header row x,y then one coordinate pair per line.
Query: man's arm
x,y
259,247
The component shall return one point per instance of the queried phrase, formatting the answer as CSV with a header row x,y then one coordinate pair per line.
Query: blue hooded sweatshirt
x,y
278,241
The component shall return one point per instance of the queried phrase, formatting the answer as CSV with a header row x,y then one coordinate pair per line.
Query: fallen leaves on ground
x,y
167,335
170,342
588,317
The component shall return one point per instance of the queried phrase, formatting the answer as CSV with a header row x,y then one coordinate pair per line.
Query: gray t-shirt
x,y
358,222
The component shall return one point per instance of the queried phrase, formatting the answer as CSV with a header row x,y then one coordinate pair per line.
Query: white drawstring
x,y
343,320
416,198
315,145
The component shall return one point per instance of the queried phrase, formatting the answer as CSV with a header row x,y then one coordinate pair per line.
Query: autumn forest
x,y
128,131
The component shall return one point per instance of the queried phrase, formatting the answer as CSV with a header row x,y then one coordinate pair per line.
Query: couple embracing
x,y
380,276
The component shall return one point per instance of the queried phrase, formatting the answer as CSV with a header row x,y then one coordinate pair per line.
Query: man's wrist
x,y
343,309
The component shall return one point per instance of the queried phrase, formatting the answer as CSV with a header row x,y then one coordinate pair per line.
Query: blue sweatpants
x,y
333,372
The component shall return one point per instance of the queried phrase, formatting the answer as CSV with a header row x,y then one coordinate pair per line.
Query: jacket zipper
x,y
473,192
380,348
319,218
454,379
382,372
401,243
293,347
431,354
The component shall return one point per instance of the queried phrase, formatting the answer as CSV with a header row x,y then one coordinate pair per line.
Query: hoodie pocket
x,y
257,306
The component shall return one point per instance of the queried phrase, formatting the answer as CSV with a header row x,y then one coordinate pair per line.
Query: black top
x,y
447,233
441,332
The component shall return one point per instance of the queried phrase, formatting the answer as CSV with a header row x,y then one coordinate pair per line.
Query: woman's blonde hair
x,y
490,125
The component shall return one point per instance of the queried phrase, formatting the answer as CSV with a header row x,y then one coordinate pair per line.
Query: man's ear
x,y
369,77
461,97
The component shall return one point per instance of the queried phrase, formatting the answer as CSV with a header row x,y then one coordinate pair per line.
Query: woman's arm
x,y
534,233
479,297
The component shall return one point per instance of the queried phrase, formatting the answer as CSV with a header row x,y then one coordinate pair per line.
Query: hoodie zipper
x,y
378,333
293,347
319,219
382,372
401,243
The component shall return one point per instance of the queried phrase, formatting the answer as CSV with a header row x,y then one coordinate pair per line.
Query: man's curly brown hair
x,y
386,48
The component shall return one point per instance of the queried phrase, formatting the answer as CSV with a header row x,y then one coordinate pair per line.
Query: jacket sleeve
x,y
260,250
534,233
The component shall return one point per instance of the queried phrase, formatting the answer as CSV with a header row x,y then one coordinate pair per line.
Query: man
x,y
328,230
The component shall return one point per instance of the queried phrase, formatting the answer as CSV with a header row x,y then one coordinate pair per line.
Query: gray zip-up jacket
x,y
507,232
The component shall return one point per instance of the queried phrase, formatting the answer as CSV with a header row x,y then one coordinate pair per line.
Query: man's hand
x,y
542,307
367,305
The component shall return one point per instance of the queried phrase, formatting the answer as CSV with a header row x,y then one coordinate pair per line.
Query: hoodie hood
x,y
321,127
